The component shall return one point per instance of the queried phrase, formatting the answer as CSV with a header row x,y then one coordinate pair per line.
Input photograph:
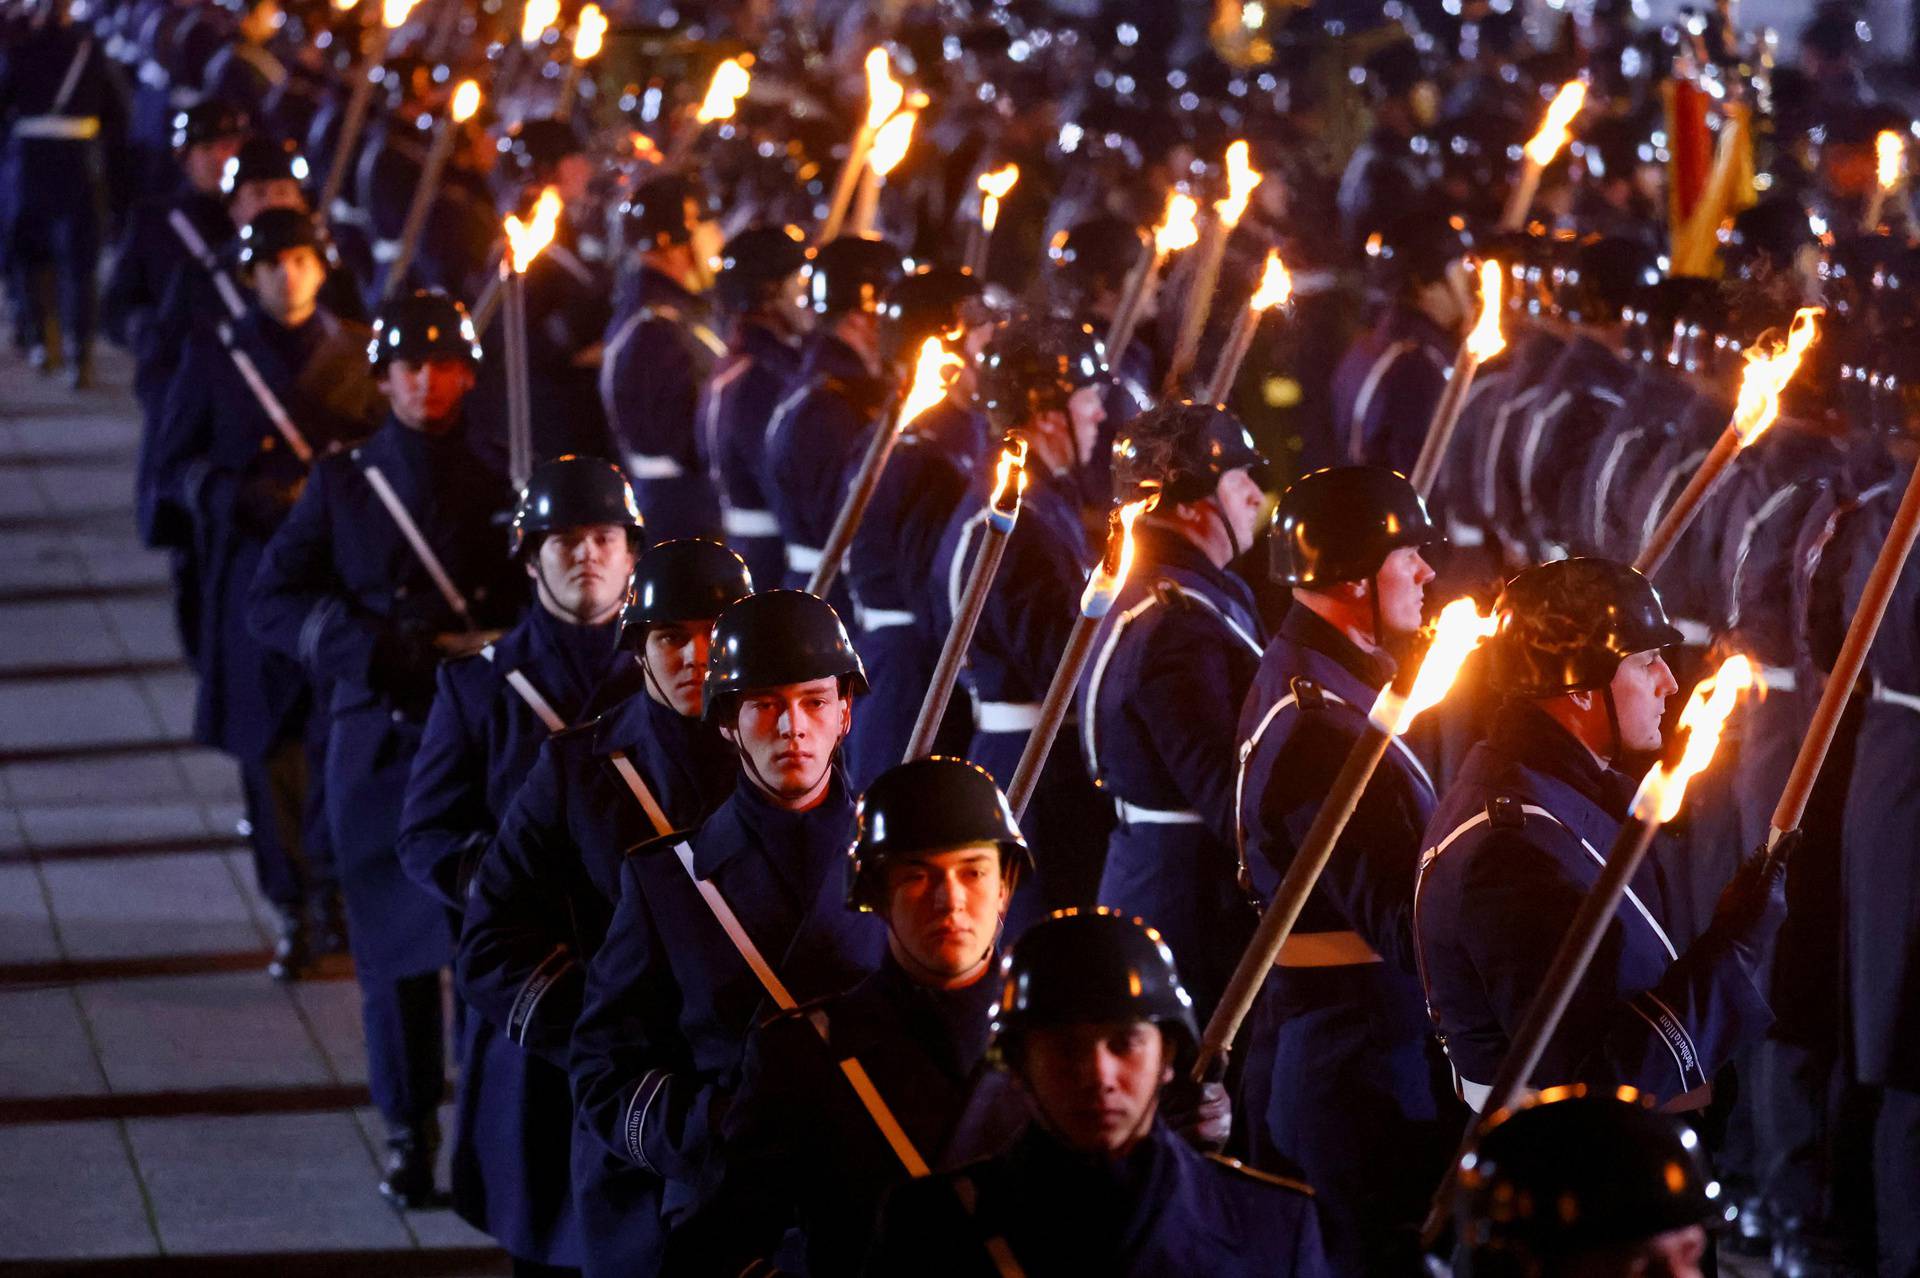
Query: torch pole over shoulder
x,y
393,15
1276,287
1178,229
460,109
1482,343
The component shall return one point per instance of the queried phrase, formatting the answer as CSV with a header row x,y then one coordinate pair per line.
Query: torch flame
x,y
393,13
1660,795
1890,157
345,6
930,375
536,17
890,143
1177,229
1242,178
1010,476
993,189
728,86
526,239
1767,374
1486,340
466,101
884,93
588,33
1544,145
1457,631
1110,574
1276,285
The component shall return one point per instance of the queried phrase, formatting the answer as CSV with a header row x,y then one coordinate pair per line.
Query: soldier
x,y
1338,1079
937,858
538,904
381,570
929,475
1092,1023
55,99
1586,1182
1513,846
1386,175
221,457
245,70
1161,699
709,926
577,530
835,397
1091,263
658,353
754,287
1044,378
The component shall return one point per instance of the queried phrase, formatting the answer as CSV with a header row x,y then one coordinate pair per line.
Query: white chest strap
x,y
263,395
542,708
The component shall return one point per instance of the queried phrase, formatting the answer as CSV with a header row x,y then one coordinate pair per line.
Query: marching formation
x,y
1028,639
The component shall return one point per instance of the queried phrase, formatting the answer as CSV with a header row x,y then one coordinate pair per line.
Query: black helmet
x,y
1605,275
424,325
1414,248
1341,523
1393,71
929,303
274,231
775,638
1566,626
690,579
1090,258
1574,1171
1768,235
1080,966
570,492
536,146
756,263
208,121
1034,365
928,805
662,211
262,160
850,274
1180,451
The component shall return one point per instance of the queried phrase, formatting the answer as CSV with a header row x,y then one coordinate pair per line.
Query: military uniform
x,y
1387,386
737,403
817,430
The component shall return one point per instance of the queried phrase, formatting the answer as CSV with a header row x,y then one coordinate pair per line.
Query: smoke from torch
x,y
1767,375
1659,797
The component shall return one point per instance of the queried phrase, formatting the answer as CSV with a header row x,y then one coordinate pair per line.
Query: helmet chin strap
x,y
1219,510
760,783
1619,746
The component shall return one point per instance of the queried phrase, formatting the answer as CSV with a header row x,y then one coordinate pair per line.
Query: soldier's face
x,y
1641,687
203,164
1676,1254
288,285
426,396
944,911
581,574
1086,412
572,175
1240,499
677,665
1097,1085
789,734
1402,582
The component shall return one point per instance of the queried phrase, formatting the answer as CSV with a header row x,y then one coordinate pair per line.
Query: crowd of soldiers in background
x,y
365,585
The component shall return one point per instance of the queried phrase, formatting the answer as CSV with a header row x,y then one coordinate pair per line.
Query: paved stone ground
x,y
164,1107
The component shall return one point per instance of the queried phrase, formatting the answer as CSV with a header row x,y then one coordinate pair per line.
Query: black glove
x,y
402,671
1753,905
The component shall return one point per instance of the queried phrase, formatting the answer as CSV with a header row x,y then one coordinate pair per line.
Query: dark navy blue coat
x,y
340,589
736,405
514,1111
1159,730
1163,1210
818,430
1497,893
803,1151
218,457
537,911
658,354
1386,387
1340,1079
149,252
1016,647
670,1001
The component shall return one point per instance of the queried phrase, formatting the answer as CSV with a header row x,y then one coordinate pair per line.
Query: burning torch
x,y
1456,633
589,32
1003,510
729,84
461,108
994,188
1540,150
1104,584
1276,289
1484,341
890,143
1242,178
1761,384
1178,229
928,387
884,96
1890,164
525,240
393,15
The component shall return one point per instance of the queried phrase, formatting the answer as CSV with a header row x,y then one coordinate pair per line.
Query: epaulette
x,y
1254,1173
1168,593
1307,693
1504,813
658,843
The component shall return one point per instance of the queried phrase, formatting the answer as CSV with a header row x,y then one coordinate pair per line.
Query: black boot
x,y
408,1182
292,953
330,925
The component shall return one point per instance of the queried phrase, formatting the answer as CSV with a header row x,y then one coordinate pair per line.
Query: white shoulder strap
x,y
542,708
